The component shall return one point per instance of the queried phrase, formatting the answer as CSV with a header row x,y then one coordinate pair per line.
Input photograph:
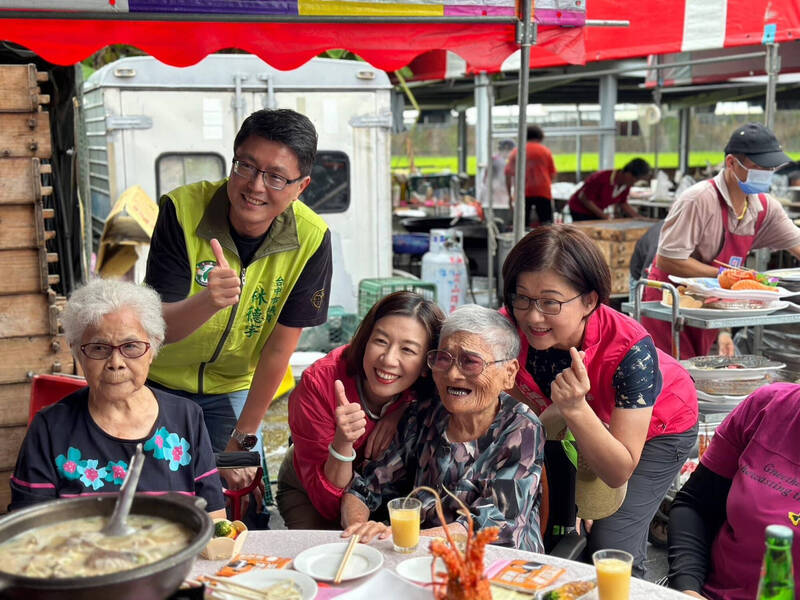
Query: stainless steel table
x,y
289,543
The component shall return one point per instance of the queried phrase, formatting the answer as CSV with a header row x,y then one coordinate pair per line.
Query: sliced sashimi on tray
x,y
709,286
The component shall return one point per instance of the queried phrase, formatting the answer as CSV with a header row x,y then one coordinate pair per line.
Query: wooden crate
x,y
620,280
27,315
617,254
35,354
615,230
14,403
5,490
10,441
25,135
26,271
20,85
22,179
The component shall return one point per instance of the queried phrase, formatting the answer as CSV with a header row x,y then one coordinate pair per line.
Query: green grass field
x,y
564,162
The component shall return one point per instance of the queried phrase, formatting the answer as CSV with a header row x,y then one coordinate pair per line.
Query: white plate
x,y
262,579
418,569
703,396
386,584
322,562
785,274
714,313
709,287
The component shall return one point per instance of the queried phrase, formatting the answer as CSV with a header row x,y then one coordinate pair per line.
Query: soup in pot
x,y
76,548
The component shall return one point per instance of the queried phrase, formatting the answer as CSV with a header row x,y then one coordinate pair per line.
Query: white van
x,y
149,124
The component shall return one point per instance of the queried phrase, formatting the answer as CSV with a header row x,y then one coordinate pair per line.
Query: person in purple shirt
x,y
747,479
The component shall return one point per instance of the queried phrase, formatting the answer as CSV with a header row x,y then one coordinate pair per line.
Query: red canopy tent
x,y
656,27
286,33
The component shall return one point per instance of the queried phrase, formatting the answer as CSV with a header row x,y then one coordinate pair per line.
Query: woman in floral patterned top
x,y
477,442
82,444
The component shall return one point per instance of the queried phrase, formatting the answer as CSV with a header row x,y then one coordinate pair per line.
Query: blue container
x,y
410,243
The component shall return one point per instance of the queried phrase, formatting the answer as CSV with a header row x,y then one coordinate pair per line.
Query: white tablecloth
x,y
289,544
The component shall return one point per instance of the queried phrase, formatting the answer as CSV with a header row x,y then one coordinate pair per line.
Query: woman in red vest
x,y
631,408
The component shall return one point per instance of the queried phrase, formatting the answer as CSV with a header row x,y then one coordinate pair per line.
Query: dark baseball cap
x,y
759,144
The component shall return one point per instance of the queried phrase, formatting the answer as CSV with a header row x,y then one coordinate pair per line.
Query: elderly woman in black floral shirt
x,y
476,441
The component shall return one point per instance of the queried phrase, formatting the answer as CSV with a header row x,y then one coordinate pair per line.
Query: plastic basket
x,y
372,290
335,332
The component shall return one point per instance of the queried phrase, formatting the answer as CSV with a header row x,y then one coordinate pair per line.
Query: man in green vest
x,y
242,266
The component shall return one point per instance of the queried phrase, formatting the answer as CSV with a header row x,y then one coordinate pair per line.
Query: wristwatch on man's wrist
x,y
246,441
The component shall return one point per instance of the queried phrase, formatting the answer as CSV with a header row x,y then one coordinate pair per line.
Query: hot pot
x,y
155,581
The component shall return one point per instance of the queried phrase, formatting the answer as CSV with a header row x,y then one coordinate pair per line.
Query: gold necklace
x,y
744,210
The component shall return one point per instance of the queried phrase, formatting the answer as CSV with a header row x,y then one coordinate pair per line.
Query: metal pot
x,y
155,581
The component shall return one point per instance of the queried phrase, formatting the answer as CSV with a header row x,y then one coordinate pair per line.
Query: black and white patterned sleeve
x,y
637,380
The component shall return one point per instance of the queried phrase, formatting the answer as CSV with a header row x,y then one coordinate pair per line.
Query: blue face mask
x,y
758,180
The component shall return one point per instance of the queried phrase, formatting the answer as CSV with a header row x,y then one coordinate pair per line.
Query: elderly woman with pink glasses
x,y
82,444
474,440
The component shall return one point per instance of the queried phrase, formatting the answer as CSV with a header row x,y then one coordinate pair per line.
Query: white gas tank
x,y
444,265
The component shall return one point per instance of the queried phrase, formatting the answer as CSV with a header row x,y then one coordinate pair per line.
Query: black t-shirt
x,y
65,453
170,273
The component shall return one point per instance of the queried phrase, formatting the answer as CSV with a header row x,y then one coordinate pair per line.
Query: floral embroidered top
x,y
66,454
496,476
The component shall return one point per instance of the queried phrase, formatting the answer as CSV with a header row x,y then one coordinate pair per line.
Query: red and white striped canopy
x,y
656,27
188,30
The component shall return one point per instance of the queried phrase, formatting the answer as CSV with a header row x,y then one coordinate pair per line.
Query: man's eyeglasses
x,y
469,363
546,306
98,351
272,180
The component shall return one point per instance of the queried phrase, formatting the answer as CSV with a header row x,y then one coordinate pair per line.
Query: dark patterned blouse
x,y
495,476
637,380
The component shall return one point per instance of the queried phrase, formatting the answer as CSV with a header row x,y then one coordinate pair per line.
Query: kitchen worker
x,y
539,172
606,188
722,219
242,266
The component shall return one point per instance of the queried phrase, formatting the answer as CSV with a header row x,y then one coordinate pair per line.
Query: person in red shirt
x,y
539,173
345,410
604,188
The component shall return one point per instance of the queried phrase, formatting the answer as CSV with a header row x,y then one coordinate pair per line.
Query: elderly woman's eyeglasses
x,y
469,363
272,180
546,306
98,351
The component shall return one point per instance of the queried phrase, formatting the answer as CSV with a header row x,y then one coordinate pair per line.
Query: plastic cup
x,y
404,516
613,574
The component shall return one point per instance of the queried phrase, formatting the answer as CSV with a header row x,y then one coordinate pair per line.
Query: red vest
x,y
608,338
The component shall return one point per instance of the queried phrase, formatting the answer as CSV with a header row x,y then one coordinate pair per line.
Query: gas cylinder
x,y
444,264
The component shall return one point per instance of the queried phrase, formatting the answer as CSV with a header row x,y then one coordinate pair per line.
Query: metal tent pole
x,y
526,34
684,116
773,68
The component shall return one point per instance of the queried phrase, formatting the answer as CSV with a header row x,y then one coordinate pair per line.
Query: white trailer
x,y
160,127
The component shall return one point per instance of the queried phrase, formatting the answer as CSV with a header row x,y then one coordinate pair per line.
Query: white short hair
x,y
100,297
489,324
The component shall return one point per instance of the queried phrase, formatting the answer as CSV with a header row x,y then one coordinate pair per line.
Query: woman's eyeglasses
x,y
469,363
546,306
98,351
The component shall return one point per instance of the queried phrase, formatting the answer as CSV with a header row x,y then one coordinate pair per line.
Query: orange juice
x,y
613,579
405,527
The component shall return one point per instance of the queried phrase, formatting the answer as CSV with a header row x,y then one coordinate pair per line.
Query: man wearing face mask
x,y
722,219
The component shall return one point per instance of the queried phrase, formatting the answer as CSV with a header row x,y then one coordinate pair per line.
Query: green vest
x,y
222,354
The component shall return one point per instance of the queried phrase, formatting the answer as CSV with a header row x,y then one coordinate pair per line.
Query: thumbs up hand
x,y
351,421
224,286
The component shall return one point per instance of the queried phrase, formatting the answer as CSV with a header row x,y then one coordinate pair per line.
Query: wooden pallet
x,y
30,331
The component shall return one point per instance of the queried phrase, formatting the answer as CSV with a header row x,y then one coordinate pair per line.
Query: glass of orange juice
x,y
404,516
613,574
